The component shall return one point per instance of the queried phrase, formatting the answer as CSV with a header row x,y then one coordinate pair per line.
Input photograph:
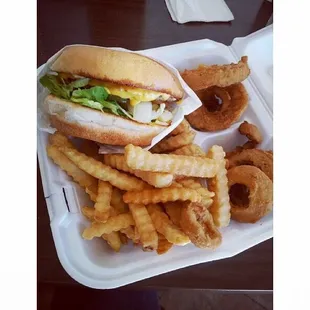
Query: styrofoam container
x,y
92,263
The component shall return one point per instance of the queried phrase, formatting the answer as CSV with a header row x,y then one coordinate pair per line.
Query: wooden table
x,y
138,24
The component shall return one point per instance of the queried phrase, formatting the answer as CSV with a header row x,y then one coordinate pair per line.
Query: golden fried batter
x,y
217,75
253,157
250,192
251,132
232,108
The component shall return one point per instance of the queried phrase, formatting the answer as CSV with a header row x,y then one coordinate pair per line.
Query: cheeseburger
x,y
112,97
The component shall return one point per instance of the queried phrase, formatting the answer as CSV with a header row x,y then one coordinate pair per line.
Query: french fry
x,y
114,223
117,201
59,139
85,180
190,150
220,208
114,212
140,159
174,142
113,239
126,206
164,226
175,184
89,213
203,191
145,227
163,245
206,201
156,179
131,233
103,201
92,191
123,237
190,183
184,126
173,209
151,196
103,172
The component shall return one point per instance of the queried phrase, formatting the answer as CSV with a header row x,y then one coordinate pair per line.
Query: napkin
x,y
184,11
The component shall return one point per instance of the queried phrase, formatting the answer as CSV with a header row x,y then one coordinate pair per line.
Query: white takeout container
x,y
93,263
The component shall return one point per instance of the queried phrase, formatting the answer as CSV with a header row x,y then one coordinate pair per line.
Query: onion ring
x,y
234,102
217,75
251,132
211,98
197,223
246,146
250,192
254,157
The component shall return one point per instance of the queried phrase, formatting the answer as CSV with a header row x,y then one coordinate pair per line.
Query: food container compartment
x,y
93,263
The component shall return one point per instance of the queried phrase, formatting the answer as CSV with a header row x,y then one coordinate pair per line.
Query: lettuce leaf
x,y
57,89
88,103
79,83
105,106
96,97
96,93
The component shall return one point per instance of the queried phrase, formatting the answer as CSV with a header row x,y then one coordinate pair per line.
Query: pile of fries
x,y
155,199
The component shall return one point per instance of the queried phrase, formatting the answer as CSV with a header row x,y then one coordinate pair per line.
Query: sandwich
x,y
108,96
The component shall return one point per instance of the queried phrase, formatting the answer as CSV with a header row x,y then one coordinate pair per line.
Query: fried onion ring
x,y
250,192
212,96
246,146
197,223
254,157
217,75
251,132
234,102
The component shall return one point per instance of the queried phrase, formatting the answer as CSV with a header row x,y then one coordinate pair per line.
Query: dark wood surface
x,y
138,24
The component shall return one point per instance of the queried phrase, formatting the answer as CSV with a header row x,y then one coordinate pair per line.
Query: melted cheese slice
x,y
135,95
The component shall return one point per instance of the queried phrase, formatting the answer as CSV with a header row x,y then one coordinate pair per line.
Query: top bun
x,y
119,67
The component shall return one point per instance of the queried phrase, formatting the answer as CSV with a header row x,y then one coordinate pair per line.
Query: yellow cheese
x,y
135,95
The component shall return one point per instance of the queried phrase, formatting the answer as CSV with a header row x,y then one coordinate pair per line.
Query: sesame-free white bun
x,y
118,67
79,121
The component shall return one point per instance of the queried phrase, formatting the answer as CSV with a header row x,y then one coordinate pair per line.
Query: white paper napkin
x,y
183,11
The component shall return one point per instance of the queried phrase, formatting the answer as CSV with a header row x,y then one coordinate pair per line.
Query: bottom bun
x,y
78,121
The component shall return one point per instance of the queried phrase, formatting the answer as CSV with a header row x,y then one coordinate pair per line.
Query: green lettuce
x,y
52,84
96,93
95,97
79,83
88,103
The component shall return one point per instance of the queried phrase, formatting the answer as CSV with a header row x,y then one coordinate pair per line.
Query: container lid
x,y
258,46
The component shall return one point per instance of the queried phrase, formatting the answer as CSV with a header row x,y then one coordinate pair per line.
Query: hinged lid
x,y
258,46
